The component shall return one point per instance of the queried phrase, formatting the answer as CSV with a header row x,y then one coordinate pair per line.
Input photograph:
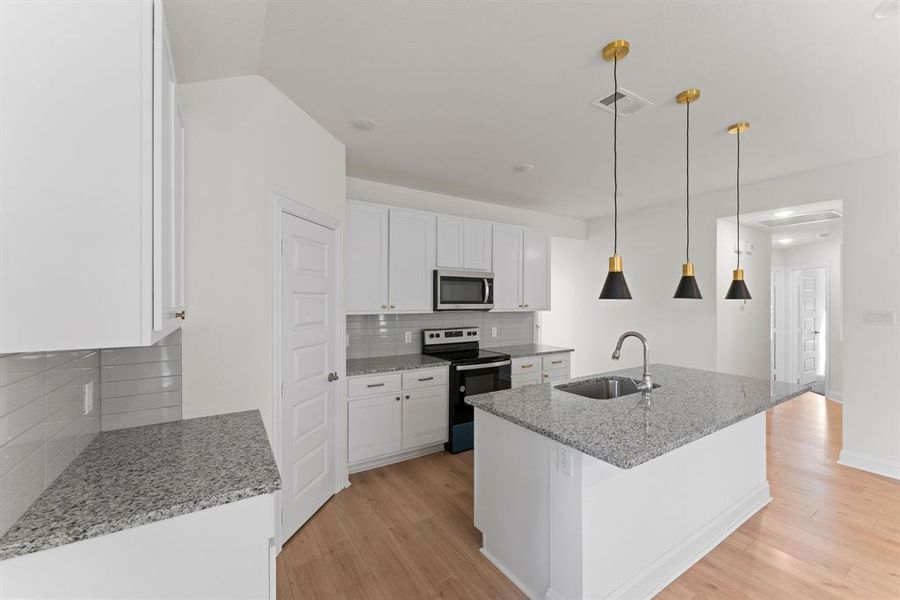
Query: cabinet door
x,y
507,265
518,381
449,242
536,271
411,259
556,376
366,246
476,245
425,417
374,427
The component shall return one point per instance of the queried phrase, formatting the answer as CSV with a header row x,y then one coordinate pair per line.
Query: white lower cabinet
x,y
532,370
388,427
526,379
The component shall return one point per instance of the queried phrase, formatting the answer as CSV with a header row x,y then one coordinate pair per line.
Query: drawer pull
x,y
371,385
555,362
426,378
528,366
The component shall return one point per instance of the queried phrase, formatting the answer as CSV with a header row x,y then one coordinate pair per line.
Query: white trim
x,y
871,464
655,577
833,395
284,205
508,574
393,458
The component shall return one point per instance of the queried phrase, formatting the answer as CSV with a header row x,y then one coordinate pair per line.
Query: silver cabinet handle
x,y
425,378
528,366
384,306
371,385
485,366
397,398
406,396
555,362
392,306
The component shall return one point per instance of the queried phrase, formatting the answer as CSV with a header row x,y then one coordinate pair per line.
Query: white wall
x,y
394,195
827,255
684,332
244,141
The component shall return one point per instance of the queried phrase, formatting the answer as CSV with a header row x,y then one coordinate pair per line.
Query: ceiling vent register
x,y
809,218
629,102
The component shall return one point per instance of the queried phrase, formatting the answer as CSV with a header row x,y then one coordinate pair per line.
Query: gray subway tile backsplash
x,y
384,335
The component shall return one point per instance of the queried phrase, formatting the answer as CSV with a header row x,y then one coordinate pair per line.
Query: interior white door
x,y
309,319
507,265
812,325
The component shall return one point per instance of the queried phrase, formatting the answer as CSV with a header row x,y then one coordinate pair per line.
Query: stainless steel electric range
x,y
472,371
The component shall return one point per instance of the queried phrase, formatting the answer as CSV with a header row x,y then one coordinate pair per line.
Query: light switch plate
x,y
886,318
493,332
407,337
88,397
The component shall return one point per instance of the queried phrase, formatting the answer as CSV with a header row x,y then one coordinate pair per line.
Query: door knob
x,y
333,376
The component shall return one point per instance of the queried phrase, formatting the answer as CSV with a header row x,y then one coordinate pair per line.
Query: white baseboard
x,y
393,458
515,580
833,395
651,580
872,464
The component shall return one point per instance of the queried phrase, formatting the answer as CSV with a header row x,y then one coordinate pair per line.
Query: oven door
x,y
463,290
469,380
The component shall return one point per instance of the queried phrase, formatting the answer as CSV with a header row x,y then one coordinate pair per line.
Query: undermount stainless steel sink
x,y
603,388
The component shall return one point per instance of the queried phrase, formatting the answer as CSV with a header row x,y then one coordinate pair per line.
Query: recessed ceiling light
x,y
785,241
780,214
523,168
887,9
365,124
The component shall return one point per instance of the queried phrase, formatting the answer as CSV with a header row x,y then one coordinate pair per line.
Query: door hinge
x,y
282,390
282,517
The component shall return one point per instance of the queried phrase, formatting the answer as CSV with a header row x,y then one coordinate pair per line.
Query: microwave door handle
x,y
487,290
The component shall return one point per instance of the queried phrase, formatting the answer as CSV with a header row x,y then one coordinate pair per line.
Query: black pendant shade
x,y
687,286
738,288
615,287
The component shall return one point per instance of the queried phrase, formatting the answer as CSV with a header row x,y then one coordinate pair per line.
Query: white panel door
x,y
476,245
411,260
425,417
449,242
812,325
536,271
374,427
507,266
366,277
307,414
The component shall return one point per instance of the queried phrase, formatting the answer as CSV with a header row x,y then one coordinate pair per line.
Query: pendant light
x,y
615,287
738,288
687,286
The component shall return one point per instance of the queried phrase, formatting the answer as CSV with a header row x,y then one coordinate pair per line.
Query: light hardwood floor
x,y
405,531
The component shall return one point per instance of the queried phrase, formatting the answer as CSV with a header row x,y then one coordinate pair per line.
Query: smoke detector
x,y
628,102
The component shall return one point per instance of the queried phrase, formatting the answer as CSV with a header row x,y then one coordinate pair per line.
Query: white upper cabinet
x,y
411,260
91,180
390,259
536,271
463,243
366,244
507,258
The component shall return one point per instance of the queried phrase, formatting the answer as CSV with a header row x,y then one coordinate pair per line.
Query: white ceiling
x,y
462,91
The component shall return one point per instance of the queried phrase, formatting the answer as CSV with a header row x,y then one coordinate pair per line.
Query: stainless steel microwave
x,y
463,290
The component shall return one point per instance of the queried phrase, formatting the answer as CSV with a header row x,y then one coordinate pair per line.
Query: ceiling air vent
x,y
813,217
629,102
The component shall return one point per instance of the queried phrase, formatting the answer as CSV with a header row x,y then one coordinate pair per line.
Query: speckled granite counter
x,y
625,431
386,364
522,350
137,476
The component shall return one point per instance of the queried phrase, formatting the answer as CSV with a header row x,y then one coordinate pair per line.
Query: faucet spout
x,y
646,385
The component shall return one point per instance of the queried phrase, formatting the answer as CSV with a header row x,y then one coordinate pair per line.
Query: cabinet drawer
x,y
556,361
424,378
556,376
526,379
373,384
528,364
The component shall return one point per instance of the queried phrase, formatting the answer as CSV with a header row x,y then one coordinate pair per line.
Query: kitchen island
x,y
584,498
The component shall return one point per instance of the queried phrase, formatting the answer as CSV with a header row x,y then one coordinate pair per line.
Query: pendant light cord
x,y
687,184
739,199
615,157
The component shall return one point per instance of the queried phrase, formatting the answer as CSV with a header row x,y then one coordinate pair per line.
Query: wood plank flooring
x,y
405,531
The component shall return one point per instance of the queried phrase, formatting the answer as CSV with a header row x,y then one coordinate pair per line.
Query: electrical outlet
x,y
407,337
493,332
564,460
877,317
88,397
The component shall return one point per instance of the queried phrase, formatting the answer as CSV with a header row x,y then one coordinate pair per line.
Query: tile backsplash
x,y
43,426
141,386
384,335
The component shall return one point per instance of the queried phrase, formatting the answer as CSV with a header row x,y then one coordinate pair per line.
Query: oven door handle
x,y
502,363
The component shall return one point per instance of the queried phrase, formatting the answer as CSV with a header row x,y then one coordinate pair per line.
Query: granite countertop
x,y
626,431
522,350
136,476
386,364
